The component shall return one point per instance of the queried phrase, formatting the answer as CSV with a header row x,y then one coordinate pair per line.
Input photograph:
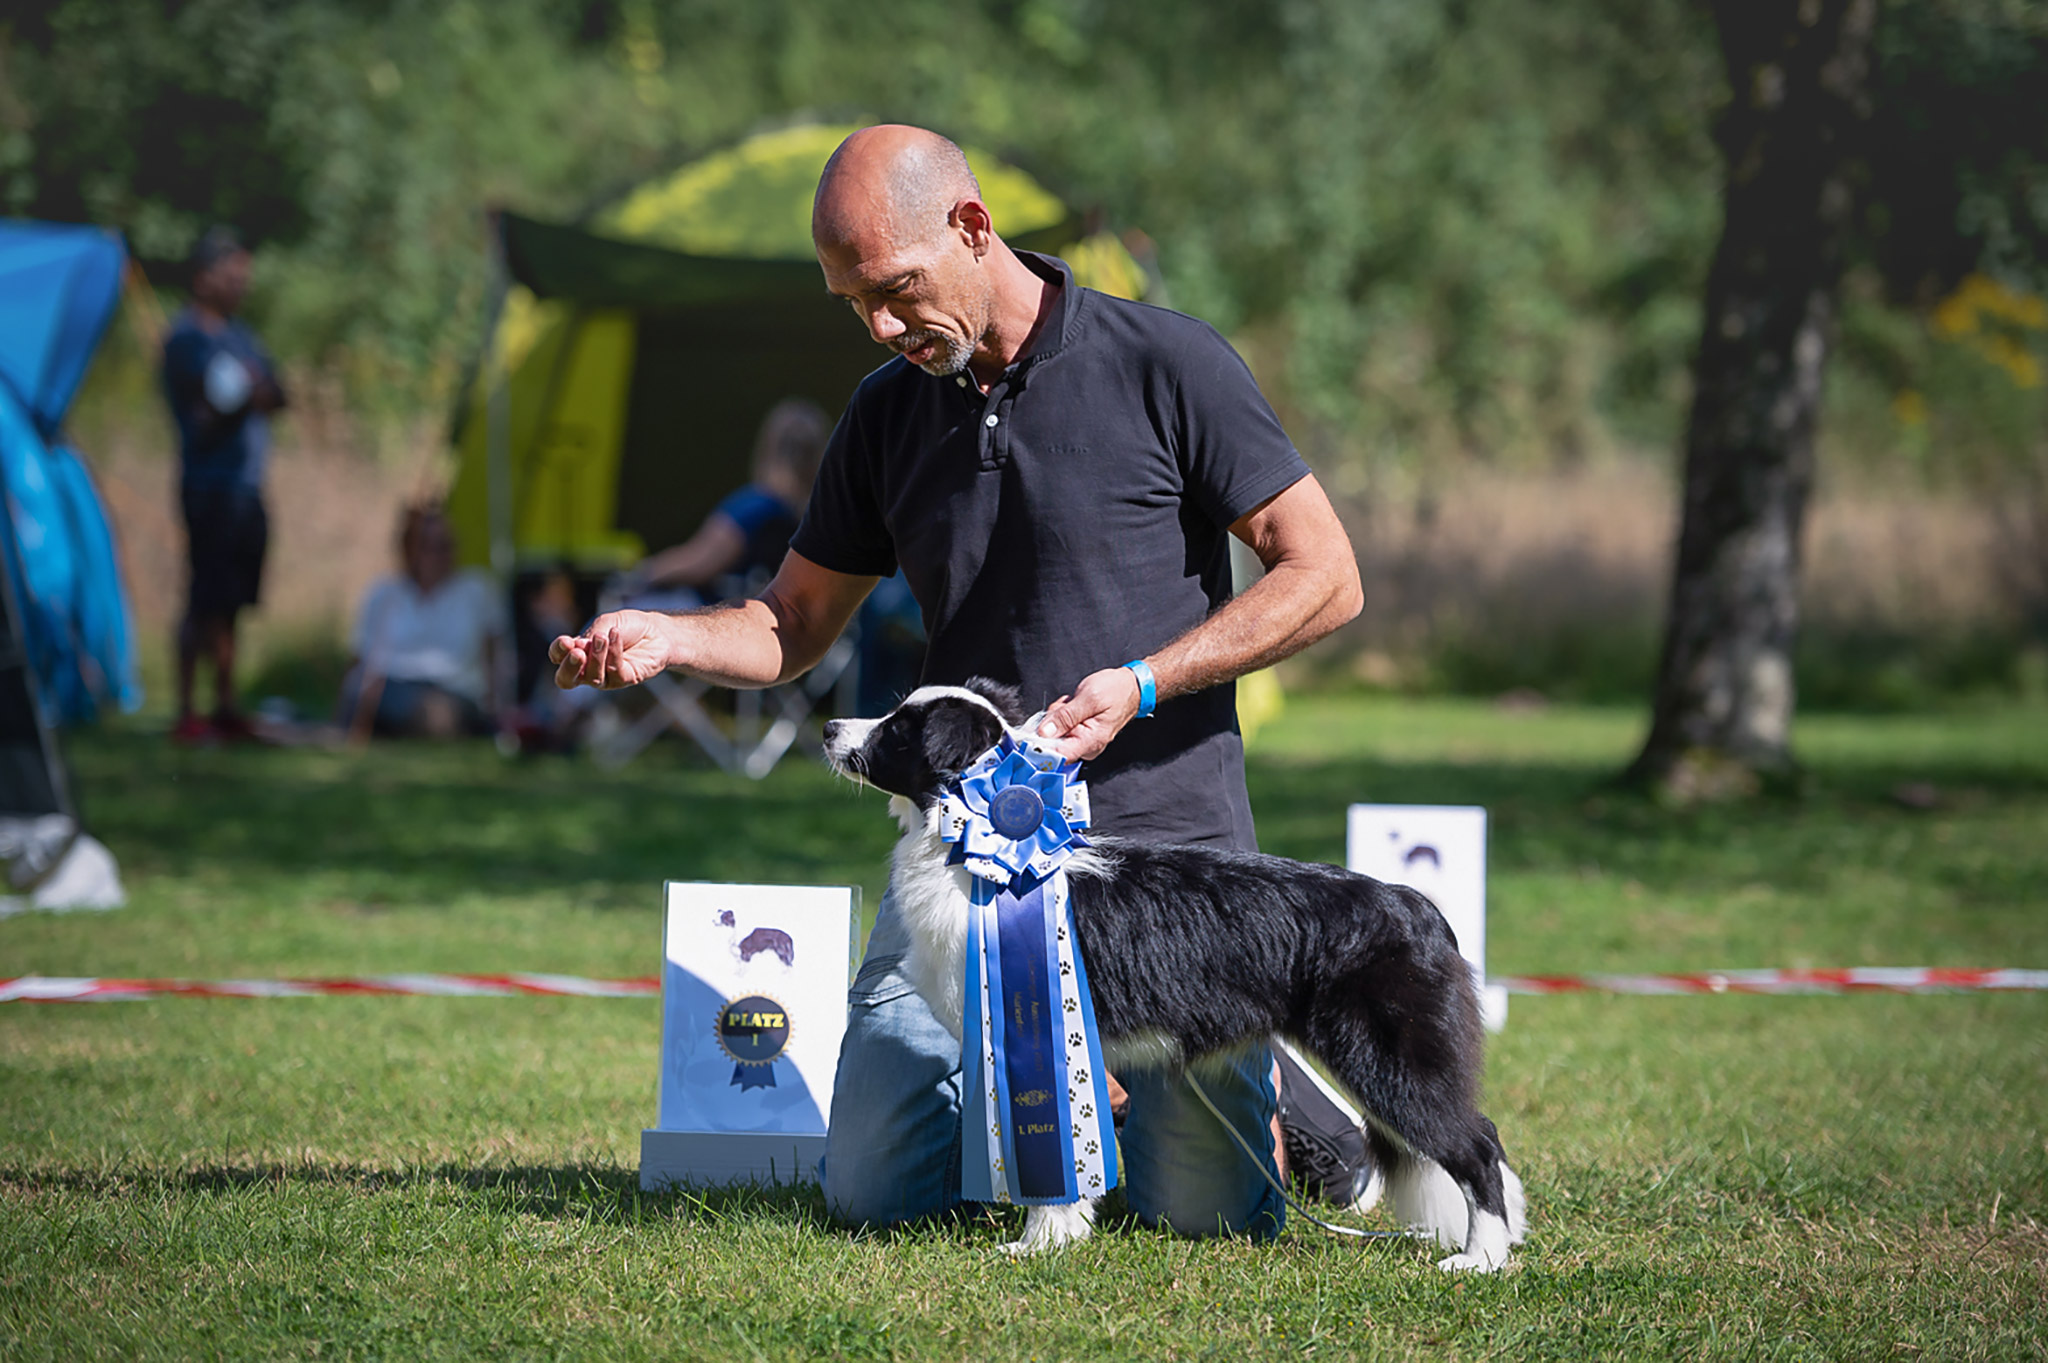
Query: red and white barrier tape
x,y
1859,980
92,989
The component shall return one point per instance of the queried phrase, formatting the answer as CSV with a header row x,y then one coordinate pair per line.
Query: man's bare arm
x,y
1310,588
761,641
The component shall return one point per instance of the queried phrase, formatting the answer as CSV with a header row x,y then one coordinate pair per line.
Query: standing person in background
x,y
221,388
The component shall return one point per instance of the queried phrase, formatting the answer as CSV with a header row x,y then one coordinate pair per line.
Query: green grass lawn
x,y
1851,1177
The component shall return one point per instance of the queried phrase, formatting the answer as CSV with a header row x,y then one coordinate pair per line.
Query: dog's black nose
x,y
832,728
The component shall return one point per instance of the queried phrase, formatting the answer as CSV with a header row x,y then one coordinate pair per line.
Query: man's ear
x,y
954,735
971,217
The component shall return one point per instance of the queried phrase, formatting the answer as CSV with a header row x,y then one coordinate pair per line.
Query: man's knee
x,y
859,1203
1185,1171
891,1149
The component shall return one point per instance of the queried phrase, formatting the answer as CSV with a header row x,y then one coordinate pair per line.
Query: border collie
x,y
1197,951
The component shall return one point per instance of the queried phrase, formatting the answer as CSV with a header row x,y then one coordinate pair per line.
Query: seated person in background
x,y
749,531
426,643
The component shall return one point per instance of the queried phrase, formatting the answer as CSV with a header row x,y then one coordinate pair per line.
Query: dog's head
x,y
934,735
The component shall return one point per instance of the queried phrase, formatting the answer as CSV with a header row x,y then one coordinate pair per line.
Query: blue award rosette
x,y
1036,1126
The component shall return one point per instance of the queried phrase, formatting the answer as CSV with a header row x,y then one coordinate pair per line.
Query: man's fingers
x,y
1059,718
567,654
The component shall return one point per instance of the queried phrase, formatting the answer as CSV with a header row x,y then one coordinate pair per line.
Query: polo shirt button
x,y
960,379
989,420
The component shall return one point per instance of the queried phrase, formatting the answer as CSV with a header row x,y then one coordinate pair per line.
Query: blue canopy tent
x,y
59,287
66,641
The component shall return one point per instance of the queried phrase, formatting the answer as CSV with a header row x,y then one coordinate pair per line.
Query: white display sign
x,y
1441,851
753,1005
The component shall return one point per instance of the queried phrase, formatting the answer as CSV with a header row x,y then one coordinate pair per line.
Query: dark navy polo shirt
x,y
1073,518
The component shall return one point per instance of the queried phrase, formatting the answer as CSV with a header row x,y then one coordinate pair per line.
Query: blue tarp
x,y
58,290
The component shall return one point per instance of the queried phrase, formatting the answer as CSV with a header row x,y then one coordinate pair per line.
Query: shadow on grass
x,y
594,1193
590,1191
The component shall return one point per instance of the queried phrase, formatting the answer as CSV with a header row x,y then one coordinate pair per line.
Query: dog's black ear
x,y
1007,699
957,733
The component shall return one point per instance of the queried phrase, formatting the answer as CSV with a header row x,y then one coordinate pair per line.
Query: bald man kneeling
x,y
1057,472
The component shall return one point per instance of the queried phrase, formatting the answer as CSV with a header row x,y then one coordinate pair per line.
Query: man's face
x,y
927,300
224,284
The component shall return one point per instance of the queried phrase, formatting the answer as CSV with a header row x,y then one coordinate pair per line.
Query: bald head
x,y
893,179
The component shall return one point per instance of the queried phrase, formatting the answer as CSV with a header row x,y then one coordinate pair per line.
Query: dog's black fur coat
x,y
1367,975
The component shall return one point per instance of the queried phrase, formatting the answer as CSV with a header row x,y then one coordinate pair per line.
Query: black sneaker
x,y
1327,1154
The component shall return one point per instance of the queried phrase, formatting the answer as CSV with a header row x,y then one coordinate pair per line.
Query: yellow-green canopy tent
x,y
633,355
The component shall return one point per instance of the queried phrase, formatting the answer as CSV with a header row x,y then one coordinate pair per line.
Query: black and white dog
x,y
1195,951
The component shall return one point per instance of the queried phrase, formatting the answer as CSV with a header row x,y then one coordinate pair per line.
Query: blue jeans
x,y
892,1151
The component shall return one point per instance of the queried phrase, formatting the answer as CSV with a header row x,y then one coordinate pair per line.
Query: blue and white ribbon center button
x,y
1016,811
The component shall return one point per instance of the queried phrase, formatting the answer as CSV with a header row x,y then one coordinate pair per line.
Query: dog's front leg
x,y
1049,1227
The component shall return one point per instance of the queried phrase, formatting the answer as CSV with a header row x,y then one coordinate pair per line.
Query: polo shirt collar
x,y
1061,327
1058,332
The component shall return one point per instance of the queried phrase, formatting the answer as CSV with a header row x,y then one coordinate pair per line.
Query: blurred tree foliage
x,y
1440,224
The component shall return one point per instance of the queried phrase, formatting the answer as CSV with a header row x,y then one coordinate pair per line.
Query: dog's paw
x,y
1485,1251
1053,1227
1518,1206
1472,1262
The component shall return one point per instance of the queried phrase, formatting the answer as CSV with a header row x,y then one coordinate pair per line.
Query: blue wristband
x,y
1148,687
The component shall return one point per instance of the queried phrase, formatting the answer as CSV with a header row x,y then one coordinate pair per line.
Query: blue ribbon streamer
x,y
1031,1126
976,1157
1098,1072
1031,1062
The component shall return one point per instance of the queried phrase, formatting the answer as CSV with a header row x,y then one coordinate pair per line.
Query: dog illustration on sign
x,y
1422,867
760,942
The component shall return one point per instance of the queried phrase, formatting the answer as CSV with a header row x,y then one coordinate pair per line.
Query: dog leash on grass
x,y
1267,1174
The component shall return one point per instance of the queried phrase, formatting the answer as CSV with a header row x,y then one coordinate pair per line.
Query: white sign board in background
x,y
753,1005
1441,851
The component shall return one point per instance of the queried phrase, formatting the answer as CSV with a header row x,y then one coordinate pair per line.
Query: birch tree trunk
x,y
1797,73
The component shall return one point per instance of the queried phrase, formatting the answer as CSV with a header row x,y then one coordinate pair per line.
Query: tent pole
x,y
16,670
498,417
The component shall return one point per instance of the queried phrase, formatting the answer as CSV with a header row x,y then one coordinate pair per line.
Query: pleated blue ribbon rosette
x,y
1036,1126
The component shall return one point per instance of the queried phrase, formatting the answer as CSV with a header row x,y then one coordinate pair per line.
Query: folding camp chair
x,y
745,747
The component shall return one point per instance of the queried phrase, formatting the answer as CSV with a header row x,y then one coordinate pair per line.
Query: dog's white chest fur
x,y
931,898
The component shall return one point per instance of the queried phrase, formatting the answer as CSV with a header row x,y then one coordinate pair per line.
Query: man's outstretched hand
x,y
619,649
1084,722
